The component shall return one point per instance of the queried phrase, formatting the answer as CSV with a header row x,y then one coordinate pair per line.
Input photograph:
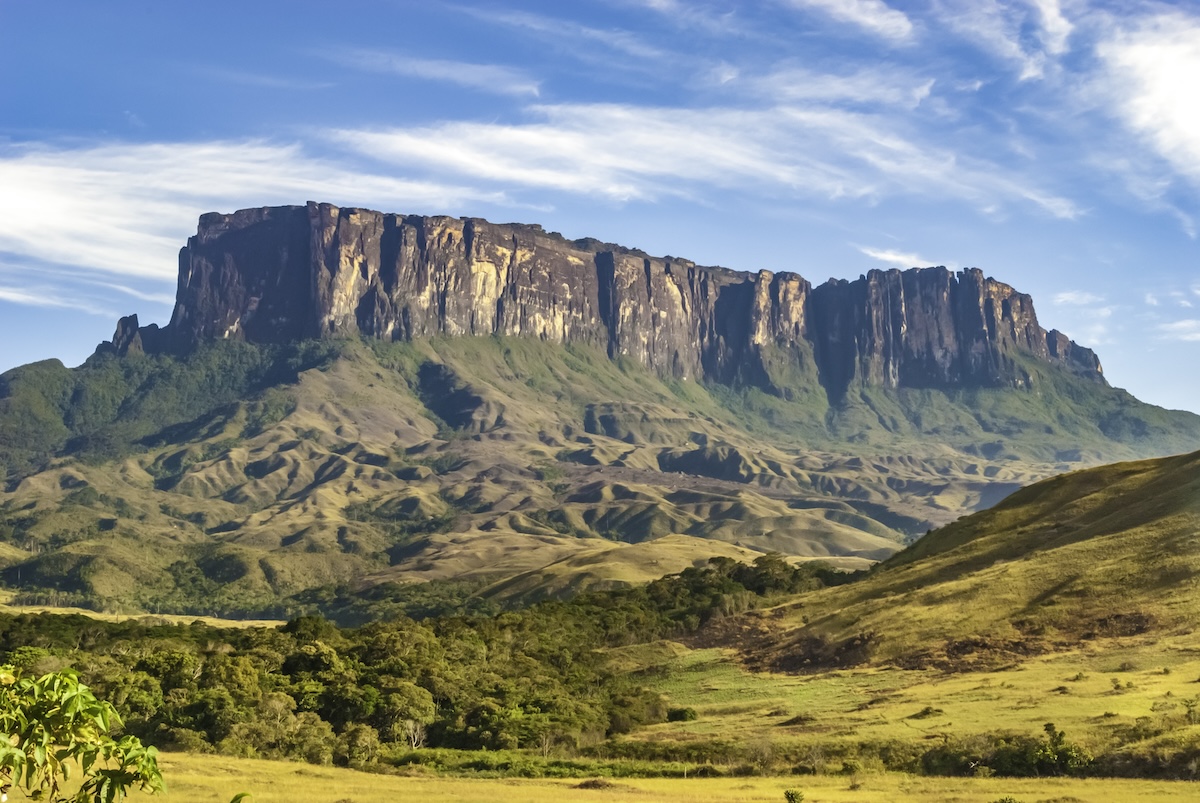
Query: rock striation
x,y
277,274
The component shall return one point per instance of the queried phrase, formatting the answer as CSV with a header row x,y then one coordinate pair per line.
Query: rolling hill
x,y
1112,551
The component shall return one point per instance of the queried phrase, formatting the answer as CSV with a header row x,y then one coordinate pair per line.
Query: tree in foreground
x,y
52,726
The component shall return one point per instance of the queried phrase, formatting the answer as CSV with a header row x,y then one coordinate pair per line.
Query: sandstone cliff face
x,y
282,273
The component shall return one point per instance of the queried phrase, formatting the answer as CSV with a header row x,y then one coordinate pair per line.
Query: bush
x,y
54,721
1008,755
681,714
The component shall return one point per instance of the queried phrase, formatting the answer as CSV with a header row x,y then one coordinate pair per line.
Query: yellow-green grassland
x,y
201,779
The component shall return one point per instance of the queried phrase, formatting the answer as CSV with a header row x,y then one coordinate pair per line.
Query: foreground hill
x,y
346,400
1107,552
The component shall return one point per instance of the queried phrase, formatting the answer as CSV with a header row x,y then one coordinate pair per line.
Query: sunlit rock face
x,y
277,274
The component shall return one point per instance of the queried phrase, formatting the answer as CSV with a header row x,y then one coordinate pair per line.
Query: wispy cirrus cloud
x,y
900,259
874,16
1077,298
48,297
1186,330
494,78
1027,35
123,209
874,87
92,285
700,16
566,35
626,152
133,204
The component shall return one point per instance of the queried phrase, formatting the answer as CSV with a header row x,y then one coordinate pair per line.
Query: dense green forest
x,y
542,691
534,678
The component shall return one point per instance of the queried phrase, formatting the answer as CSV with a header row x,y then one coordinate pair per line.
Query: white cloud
x,y
632,152
1186,221
1056,28
996,27
141,295
14,273
723,73
1188,330
900,259
874,16
1152,70
1094,334
125,209
493,78
51,298
791,84
566,35
1151,300
1077,298
692,15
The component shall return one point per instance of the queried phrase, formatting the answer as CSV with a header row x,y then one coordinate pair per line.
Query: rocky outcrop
x,y
282,273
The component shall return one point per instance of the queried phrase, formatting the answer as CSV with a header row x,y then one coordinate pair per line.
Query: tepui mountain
x,y
345,402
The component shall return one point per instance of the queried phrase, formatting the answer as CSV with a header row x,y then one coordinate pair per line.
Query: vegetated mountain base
x,y
271,480
680,677
529,694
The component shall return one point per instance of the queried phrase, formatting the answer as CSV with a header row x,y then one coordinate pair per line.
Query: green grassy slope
x,y
1105,552
236,478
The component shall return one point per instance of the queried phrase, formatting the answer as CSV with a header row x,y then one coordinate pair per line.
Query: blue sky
x,y
1053,143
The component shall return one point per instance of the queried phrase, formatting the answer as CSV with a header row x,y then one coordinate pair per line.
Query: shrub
x,y
54,721
1009,755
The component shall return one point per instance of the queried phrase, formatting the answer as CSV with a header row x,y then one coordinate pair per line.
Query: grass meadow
x,y
831,714
1077,690
214,779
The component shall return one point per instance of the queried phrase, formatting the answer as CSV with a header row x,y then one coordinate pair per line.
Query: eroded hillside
x,y
543,468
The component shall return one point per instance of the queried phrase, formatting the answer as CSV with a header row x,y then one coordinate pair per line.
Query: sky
x,y
1055,144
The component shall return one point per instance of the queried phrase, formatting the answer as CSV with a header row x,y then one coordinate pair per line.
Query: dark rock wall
x,y
282,273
